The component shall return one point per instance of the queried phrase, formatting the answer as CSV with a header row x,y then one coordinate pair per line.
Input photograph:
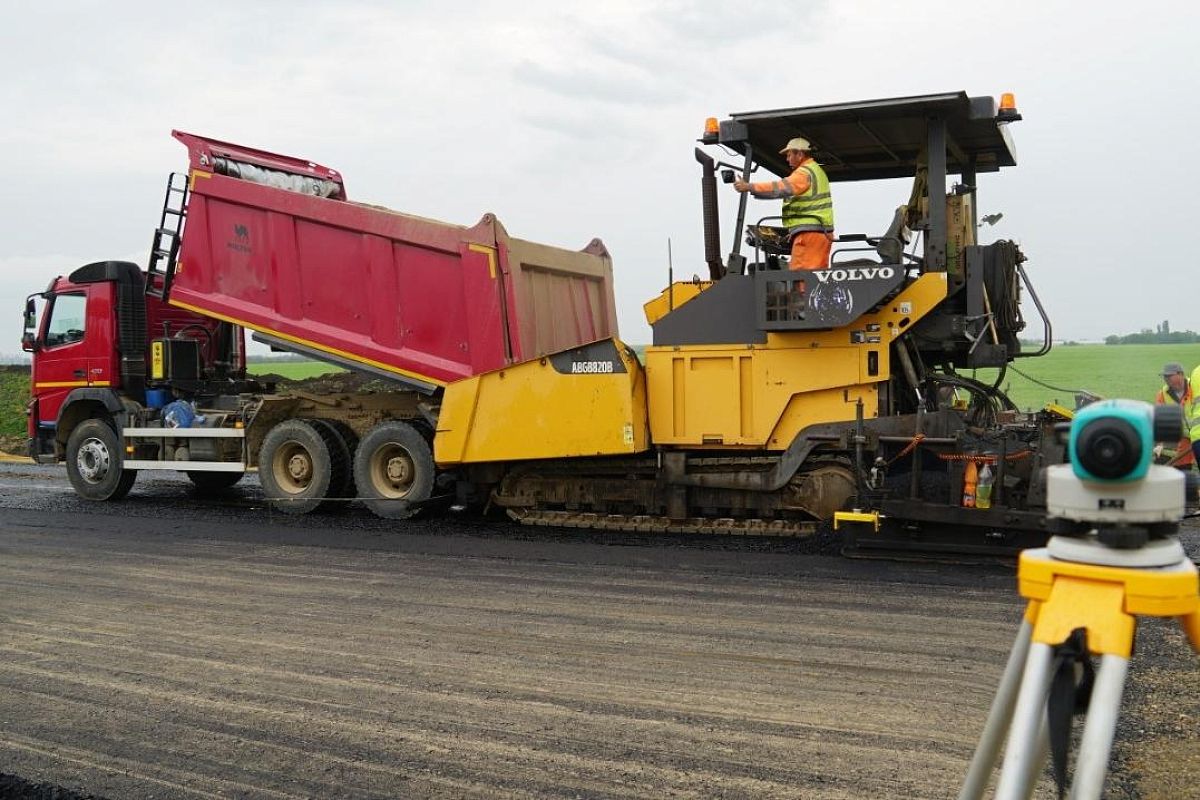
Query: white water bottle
x,y
983,492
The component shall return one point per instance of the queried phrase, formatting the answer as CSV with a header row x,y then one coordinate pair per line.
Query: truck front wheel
x,y
94,461
393,469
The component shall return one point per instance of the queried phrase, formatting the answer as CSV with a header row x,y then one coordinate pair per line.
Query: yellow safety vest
x,y
1191,411
1165,398
813,210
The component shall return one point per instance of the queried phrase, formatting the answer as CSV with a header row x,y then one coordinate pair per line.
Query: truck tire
x,y
394,470
94,459
342,439
296,465
208,483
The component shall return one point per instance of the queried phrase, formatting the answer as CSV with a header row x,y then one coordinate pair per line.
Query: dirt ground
x,y
1159,737
173,647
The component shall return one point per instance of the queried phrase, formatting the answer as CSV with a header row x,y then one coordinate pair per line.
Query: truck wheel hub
x,y
93,460
299,468
393,471
399,470
292,468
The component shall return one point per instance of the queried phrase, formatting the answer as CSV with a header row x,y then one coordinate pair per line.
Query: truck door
x,y
63,359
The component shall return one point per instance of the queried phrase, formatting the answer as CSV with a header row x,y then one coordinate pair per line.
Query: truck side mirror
x,y
30,315
29,342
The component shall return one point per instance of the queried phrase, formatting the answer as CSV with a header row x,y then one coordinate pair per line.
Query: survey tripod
x,y
1084,600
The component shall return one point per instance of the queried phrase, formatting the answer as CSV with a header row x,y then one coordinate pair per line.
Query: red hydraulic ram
x,y
271,244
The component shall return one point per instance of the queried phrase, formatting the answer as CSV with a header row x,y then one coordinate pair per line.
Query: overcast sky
x,y
576,121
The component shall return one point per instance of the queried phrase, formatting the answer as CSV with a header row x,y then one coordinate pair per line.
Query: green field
x,y
14,394
1126,370
293,370
1107,370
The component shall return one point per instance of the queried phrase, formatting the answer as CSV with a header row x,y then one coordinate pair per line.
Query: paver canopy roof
x,y
882,138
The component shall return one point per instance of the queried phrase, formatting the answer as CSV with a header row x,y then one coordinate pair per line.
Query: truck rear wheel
x,y
394,469
94,461
342,439
296,466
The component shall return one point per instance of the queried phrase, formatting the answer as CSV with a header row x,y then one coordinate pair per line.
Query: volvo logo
x,y
853,274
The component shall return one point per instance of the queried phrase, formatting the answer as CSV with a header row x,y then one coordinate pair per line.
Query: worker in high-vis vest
x,y
807,206
1177,390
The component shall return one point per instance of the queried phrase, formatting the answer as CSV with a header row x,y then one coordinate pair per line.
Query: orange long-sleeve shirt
x,y
795,184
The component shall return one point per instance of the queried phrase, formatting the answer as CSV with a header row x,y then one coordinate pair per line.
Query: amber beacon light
x,y
1008,108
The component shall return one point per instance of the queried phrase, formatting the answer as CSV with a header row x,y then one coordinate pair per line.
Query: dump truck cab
x,y
100,343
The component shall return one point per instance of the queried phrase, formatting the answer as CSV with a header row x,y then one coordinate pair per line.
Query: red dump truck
x,y
136,370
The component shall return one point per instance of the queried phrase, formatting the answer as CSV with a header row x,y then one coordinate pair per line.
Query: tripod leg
x,y
1017,773
1098,731
999,718
1038,763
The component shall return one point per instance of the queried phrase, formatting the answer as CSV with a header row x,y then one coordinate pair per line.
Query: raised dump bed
x,y
271,244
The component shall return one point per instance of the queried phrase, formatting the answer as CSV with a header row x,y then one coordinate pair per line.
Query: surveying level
x,y
1116,558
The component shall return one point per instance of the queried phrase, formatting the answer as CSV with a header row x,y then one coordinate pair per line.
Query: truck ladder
x,y
165,248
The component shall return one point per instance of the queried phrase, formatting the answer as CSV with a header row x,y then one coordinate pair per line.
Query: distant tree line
x,y
1162,334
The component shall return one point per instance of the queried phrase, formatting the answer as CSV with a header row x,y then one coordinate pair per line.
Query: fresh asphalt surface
x,y
173,646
